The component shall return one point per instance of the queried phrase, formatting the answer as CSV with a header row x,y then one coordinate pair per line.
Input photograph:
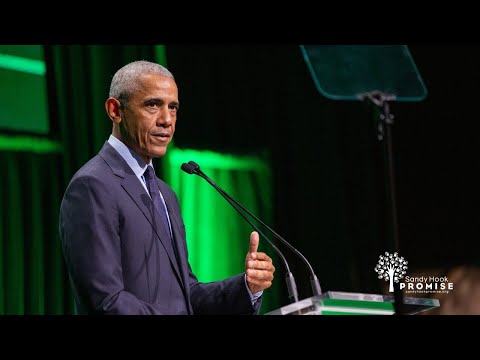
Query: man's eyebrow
x,y
153,99
160,101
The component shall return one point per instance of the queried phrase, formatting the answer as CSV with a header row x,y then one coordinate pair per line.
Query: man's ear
x,y
112,106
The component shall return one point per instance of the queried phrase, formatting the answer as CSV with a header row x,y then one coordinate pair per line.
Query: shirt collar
x,y
136,163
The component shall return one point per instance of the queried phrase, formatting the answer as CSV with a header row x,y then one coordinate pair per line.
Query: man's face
x,y
148,120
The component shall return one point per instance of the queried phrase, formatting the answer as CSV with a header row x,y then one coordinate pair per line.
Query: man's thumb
x,y
254,240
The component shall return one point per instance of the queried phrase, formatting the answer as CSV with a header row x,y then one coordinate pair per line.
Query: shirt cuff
x,y
253,297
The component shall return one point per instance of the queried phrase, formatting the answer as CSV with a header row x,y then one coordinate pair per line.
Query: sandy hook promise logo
x,y
391,268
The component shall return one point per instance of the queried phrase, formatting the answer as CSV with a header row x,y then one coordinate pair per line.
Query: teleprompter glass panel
x,y
347,72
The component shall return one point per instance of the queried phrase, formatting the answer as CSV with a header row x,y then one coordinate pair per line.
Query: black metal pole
x,y
387,120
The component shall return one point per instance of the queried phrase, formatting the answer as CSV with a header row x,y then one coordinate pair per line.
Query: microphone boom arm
x,y
314,282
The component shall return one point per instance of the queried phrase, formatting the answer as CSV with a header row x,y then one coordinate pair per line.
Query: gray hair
x,y
125,81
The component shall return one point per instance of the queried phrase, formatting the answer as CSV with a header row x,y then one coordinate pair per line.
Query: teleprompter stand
x,y
378,74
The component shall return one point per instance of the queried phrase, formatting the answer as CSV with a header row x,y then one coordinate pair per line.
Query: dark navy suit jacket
x,y
116,249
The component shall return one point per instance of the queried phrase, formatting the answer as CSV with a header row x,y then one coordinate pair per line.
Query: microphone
x,y
291,285
314,282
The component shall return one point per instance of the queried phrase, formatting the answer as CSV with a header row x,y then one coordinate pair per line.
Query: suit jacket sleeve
x,y
89,222
229,296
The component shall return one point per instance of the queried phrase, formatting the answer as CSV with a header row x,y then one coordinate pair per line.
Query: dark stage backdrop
x,y
328,166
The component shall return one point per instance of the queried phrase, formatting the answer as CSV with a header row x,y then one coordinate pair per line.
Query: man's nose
x,y
165,118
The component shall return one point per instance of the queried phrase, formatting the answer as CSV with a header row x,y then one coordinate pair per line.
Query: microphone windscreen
x,y
194,164
187,168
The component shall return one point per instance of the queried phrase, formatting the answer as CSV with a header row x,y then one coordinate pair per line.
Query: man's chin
x,y
159,151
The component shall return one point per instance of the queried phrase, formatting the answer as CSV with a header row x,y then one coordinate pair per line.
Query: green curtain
x,y
32,273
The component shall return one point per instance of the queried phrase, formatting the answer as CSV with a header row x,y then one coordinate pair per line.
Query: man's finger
x,y
262,256
260,265
254,240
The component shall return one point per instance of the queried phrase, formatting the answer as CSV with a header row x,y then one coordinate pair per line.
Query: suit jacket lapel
x,y
179,243
137,192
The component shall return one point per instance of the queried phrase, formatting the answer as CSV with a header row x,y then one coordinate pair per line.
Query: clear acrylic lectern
x,y
346,303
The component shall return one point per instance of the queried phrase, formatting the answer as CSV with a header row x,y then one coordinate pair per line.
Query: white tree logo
x,y
392,268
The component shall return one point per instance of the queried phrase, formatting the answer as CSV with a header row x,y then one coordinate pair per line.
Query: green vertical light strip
x,y
14,258
186,191
205,236
223,224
